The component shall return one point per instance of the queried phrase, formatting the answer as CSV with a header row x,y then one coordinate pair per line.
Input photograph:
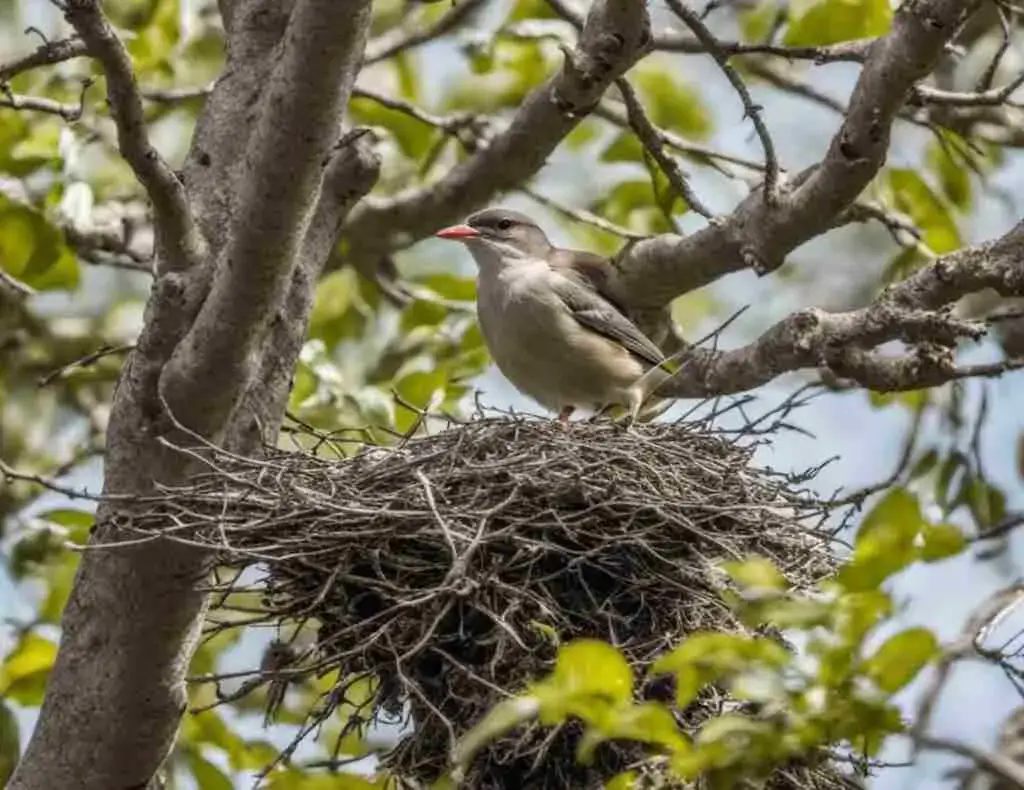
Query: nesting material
x,y
445,566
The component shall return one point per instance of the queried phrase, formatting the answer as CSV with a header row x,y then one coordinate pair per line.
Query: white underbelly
x,y
546,354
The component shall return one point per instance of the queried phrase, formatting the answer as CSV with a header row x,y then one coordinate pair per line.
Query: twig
x,y
47,54
1002,767
178,240
581,216
611,112
396,41
654,144
11,474
69,112
924,94
669,41
909,443
714,48
16,286
984,618
83,362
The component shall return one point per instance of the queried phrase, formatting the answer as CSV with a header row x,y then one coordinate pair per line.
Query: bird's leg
x,y
565,413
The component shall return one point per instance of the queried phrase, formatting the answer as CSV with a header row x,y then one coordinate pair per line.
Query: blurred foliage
x,y
60,179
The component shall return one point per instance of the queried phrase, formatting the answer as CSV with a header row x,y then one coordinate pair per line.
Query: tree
x,y
270,249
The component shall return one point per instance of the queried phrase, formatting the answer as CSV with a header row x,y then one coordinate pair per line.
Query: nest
x,y
443,566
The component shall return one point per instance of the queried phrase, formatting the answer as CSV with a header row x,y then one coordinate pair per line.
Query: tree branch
x,y
843,343
282,171
399,40
46,54
654,144
751,110
179,245
758,235
670,41
614,37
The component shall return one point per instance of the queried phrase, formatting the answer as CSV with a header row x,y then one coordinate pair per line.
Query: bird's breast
x,y
540,347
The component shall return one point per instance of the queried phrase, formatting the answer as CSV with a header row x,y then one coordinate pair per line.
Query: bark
x,y
223,328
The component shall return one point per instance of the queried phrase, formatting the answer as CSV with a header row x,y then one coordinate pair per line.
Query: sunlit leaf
x,y
757,23
953,174
32,250
671,103
885,541
207,775
23,672
820,22
941,541
900,658
911,195
757,573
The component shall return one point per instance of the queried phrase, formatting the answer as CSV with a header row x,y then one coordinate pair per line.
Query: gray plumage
x,y
547,318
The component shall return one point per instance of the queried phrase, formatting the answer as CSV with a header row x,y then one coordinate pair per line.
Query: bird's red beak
x,y
457,232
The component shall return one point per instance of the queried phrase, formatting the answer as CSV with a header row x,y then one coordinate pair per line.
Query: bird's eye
x,y
505,224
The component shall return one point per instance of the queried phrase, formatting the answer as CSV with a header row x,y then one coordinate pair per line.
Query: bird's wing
x,y
596,313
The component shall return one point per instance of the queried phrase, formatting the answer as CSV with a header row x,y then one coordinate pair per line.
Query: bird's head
x,y
501,236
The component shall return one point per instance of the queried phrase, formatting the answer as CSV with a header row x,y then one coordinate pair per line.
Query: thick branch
x,y
843,343
282,171
614,36
178,242
758,235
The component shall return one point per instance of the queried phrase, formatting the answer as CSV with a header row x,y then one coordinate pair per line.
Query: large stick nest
x,y
443,566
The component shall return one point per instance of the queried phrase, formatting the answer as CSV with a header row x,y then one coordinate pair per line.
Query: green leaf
x,y
671,103
757,573
531,9
954,176
706,656
885,541
414,137
418,388
591,667
23,673
911,195
9,743
633,204
925,464
503,717
32,250
625,781
624,148
941,541
821,22
207,775
332,304
857,614
78,523
452,287
955,463
757,23
986,502
648,722
900,658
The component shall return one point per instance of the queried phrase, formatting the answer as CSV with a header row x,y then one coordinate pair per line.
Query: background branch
x,y
179,245
613,38
758,235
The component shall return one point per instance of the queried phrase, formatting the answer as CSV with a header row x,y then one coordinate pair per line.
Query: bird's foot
x,y
565,414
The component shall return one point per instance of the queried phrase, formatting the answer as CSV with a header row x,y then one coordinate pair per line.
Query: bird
x,y
550,324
